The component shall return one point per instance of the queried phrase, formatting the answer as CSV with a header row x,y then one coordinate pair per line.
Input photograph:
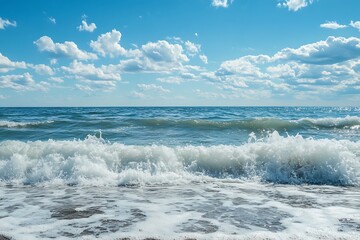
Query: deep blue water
x,y
173,126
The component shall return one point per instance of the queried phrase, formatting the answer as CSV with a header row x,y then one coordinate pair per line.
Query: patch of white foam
x,y
223,210
356,127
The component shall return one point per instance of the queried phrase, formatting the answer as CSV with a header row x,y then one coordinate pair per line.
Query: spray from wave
x,y
93,161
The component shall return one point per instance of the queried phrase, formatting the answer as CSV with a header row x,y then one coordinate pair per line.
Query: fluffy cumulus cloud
x,y
7,65
163,51
108,44
245,65
91,72
21,82
90,77
332,25
6,23
332,50
86,27
42,69
66,49
323,67
160,56
221,3
295,5
355,24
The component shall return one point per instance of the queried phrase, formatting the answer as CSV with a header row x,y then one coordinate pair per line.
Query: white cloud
x,y
242,66
91,72
160,56
66,49
21,82
84,88
53,61
282,70
203,58
332,25
221,3
6,23
322,67
56,79
192,48
7,65
137,94
42,69
332,50
163,51
149,91
52,20
153,87
355,25
214,95
86,27
103,78
95,86
170,79
295,5
108,44
2,97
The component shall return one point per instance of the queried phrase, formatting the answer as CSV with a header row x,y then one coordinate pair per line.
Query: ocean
x,y
180,173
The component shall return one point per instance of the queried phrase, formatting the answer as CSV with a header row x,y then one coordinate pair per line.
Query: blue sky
x,y
179,52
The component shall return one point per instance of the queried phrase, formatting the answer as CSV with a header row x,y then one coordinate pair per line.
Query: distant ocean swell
x,y
348,122
93,161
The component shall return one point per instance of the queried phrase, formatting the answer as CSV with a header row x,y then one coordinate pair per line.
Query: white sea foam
x,y
93,161
12,124
219,210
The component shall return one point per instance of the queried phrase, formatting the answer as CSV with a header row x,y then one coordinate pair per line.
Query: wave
x,y
93,161
348,122
11,124
345,122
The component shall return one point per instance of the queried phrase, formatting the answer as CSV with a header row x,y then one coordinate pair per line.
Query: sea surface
x,y
180,173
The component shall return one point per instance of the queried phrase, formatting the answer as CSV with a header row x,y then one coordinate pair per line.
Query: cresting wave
x,y
275,159
348,122
11,124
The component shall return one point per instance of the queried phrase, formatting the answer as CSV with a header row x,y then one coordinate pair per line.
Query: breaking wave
x,y
93,161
